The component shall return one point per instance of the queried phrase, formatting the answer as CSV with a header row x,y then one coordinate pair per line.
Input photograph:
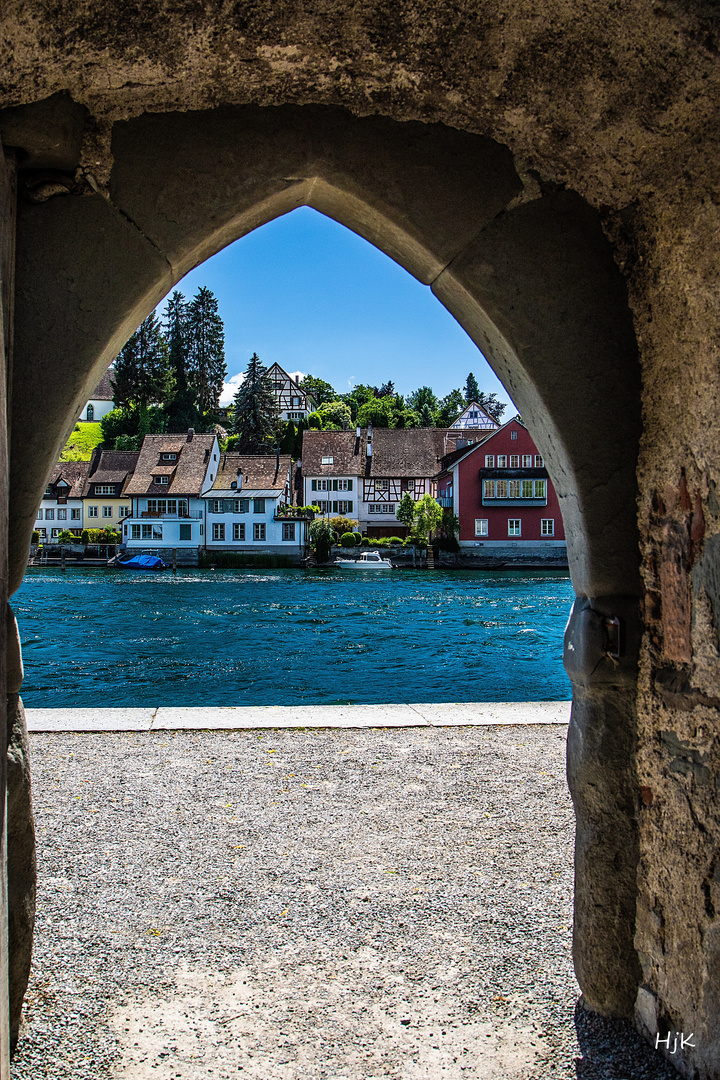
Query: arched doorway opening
x,y
527,272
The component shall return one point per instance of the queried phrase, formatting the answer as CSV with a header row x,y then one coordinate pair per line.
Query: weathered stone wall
x,y
615,101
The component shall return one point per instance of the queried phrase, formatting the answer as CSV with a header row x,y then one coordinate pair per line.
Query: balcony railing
x,y
445,503
194,515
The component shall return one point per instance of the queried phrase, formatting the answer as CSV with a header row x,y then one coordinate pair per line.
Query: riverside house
x,y
105,504
242,507
501,493
472,425
363,473
62,504
171,476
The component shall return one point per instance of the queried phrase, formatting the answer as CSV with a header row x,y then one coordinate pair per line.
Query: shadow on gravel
x,y
613,1050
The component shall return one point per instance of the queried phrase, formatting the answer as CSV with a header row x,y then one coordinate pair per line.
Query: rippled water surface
x,y
279,637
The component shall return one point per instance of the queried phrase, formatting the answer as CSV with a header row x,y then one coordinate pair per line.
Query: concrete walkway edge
x,y
228,718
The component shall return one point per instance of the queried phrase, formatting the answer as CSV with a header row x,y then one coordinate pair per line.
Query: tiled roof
x,y
412,452
103,391
188,473
110,467
74,473
258,471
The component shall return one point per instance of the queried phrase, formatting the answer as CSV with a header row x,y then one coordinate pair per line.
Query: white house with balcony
x,y
172,474
247,507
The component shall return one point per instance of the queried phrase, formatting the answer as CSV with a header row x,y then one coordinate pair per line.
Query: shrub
x,y
67,537
35,537
322,538
382,542
100,536
447,543
347,540
343,525
395,539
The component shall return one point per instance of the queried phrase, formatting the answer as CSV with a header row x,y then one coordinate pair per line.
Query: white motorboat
x,y
369,560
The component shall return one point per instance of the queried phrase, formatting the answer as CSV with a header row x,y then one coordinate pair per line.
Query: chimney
x,y
369,431
369,449
345,425
239,479
190,434
357,432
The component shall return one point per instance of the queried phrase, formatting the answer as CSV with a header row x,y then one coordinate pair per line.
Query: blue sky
x,y
311,295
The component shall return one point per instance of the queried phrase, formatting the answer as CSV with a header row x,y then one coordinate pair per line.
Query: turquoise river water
x,y
283,637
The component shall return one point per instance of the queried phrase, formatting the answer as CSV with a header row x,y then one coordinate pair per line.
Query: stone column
x,y
601,649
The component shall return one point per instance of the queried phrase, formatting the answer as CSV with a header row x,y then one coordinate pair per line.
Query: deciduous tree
x,y
319,389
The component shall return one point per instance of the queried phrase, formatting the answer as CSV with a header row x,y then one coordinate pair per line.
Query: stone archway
x,y
529,274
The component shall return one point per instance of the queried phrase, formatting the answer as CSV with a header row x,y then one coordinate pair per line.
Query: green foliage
x,y
314,421
341,525
347,540
449,408
141,373
82,442
450,523
100,536
472,390
395,540
255,417
333,414
67,537
424,395
322,538
206,368
426,417
134,421
428,516
35,537
377,411
128,442
320,390
405,512
492,405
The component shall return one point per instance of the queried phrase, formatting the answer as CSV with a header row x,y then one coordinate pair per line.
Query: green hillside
x,y
82,442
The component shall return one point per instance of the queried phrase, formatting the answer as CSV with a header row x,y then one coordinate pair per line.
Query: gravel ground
x,y
310,905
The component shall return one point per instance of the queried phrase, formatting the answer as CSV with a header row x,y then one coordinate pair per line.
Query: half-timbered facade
x,y
500,491
472,425
293,402
364,473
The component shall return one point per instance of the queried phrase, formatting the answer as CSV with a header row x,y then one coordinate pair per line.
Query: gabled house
x,y
101,399
293,402
105,504
243,504
171,475
472,425
62,504
364,473
500,491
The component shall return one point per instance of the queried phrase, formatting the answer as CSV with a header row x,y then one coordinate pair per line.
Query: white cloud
x,y
230,388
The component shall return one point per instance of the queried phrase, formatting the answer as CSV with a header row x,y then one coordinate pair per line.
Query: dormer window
x,y
169,457
328,461
163,480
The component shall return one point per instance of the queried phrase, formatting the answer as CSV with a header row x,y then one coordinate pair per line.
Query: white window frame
x,y
541,489
502,461
547,526
513,434
93,511
539,461
238,530
62,515
489,461
107,511
288,531
481,526
75,513
489,489
39,514
49,515
514,489
514,526
527,489
514,461
259,531
527,461
218,531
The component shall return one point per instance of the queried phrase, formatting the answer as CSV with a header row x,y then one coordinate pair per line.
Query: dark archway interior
x,y
531,278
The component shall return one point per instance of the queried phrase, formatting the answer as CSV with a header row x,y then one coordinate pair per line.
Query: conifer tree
x,y
140,374
426,417
182,411
472,390
206,368
255,418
